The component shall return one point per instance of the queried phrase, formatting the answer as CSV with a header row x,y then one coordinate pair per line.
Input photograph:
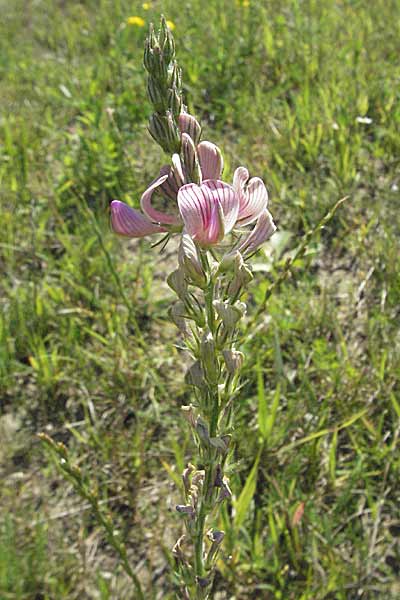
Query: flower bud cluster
x,y
164,88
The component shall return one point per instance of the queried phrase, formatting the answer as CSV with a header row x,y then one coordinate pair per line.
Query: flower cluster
x,y
199,202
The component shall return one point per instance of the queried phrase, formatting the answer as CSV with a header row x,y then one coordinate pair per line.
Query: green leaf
x,y
243,502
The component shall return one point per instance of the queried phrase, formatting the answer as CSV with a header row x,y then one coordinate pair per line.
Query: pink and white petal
x,y
194,208
253,202
216,227
263,230
178,171
224,194
130,222
150,211
210,159
240,178
169,187
188,124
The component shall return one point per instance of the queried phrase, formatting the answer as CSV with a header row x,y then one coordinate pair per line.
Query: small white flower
x,y
364,120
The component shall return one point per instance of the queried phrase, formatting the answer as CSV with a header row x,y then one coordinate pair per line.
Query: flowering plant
x,y
210,216
219,225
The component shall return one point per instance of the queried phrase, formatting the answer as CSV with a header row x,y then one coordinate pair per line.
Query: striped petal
x,y
130,222
210,159
149,210
253,197
225,194
169,187
262,231
208,211
188,124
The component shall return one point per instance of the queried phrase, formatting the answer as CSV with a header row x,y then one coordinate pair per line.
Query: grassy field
x,y
307,95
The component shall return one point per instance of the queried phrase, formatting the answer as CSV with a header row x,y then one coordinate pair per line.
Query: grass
x,y
304,93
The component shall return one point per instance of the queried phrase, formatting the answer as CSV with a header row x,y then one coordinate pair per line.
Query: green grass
x,y
86,347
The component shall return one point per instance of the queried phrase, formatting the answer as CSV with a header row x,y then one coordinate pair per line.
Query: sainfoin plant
x,y
219,225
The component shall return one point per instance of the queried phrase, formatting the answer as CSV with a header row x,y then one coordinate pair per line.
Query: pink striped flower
x,y
261,232
209,211
252,194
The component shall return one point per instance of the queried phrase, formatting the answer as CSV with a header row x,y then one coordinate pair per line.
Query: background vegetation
x,y
307,95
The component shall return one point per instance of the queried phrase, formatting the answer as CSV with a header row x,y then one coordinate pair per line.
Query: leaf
x,y
262,403
273,410
247,493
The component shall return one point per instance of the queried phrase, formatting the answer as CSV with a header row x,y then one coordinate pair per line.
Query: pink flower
x,y
209,211
262,231
131,223
253,196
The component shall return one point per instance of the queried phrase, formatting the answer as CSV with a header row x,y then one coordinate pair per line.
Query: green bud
x,y
174,101
167,41
165,132
175,77
156,95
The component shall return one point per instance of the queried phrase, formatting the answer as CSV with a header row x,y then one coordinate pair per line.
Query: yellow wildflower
x,y
135,21
246,3
146,5
171,25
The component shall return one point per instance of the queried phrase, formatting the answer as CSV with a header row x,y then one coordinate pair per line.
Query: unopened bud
x,y
175,77
166,41
165,132
189,155
188,124
156,95
177,170
177,283
233,360
189,261
174,101
209,358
